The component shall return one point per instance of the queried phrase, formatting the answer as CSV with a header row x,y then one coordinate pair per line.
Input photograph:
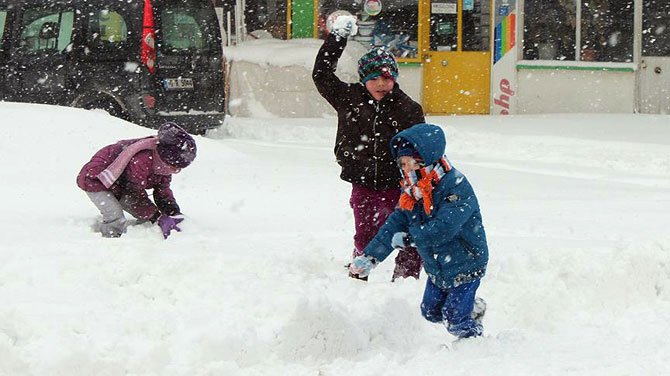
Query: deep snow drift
x,y
576,209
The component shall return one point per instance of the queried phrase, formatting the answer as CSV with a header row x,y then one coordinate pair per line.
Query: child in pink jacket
x,y
118,176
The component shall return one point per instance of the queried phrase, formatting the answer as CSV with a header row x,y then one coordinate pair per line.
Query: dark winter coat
x,y
136,179
364,126
451,240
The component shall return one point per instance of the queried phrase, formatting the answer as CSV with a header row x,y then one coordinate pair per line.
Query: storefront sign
x,y
504,99
503,72
443,8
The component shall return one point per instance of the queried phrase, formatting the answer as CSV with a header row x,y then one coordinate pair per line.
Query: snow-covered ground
x,y
576,207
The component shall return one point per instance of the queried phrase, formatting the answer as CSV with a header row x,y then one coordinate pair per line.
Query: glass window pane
x,y
656,28
607,30
45,30
107,26
65,30
268,15
107,34
476,15
444,25
549,30
4,43
187,27
3,18
395,27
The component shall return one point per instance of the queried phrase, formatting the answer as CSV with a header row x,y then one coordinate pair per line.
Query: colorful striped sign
x,y
505,36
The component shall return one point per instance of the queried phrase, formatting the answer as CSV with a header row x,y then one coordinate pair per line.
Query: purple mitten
x,y
167,224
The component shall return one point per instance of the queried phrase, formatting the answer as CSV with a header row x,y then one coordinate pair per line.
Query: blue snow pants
x,y
453,307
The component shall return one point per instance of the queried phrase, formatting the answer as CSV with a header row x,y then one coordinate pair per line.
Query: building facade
x,y
503,56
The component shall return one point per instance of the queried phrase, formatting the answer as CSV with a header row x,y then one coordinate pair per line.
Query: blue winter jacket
x,y
451,240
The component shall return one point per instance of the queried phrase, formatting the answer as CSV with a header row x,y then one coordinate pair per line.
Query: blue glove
x,y
167,224
362,265
400,240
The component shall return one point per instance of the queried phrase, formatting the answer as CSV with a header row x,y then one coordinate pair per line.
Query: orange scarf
x,y
414,190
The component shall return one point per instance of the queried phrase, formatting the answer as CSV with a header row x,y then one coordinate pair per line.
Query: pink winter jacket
x,y
133,184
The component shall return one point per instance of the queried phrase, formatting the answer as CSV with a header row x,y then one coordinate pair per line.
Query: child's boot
x,y
356,276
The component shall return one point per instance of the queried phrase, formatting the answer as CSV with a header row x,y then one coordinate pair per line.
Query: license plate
x,y
178,83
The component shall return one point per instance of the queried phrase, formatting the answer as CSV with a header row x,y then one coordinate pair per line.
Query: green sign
x,y
302,19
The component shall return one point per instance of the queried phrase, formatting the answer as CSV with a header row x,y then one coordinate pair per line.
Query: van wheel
x,y
108,106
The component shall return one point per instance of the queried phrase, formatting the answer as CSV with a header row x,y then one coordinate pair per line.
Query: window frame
x,y
55,11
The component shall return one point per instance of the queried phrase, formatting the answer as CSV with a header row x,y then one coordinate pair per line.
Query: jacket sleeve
x,y
141,205
447,221
164,197
327,83
415,115
380,246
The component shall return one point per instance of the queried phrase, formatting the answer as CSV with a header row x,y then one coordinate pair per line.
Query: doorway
x,y
457,57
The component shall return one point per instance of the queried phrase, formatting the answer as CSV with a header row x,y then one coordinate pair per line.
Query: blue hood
x,y
428,139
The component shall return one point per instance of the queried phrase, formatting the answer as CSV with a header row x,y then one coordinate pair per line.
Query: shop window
x,y
395,27
549,30
266,15
605,28
476,15
444,24
656,28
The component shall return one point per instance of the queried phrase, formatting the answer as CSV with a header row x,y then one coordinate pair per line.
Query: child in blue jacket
x,y
438,213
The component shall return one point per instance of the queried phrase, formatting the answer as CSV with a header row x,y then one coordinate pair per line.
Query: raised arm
x,y
327,83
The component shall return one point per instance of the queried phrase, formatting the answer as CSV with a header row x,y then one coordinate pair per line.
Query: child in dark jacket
x,y
117,177
370,113
438,213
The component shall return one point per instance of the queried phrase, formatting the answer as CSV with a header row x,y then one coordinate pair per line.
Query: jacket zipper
x,y
374,134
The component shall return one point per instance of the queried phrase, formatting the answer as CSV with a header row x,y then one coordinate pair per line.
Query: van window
x,y
46,30
107,33
187,29
4,43
3,19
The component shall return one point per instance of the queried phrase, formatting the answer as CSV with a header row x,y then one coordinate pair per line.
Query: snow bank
x,y
575,209
273,78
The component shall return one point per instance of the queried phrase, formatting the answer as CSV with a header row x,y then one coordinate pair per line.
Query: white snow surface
x,y
293,52
576,209
276,52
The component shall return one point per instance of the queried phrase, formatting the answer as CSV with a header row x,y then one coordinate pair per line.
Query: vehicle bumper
x,y
192,123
